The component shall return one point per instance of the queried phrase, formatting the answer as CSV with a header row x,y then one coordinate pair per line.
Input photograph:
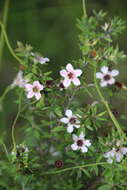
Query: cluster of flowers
x,y
70,76
116,153
72,121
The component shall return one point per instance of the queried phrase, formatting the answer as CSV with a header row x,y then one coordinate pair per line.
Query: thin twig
x,y
8,44
84,8
15,120
5,16
76,167
118,127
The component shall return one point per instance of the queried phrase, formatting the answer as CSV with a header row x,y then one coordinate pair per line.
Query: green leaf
x,y
102,113
105,187
40,103
58,129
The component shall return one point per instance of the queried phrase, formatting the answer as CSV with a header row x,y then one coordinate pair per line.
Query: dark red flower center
x,y
59,163
49,83
117,150
70,75
107,77
61,85
72,120
35,89
118,84
80,142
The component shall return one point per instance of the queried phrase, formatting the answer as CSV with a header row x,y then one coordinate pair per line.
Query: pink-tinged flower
x,y
19,80
41,60
71,121
34,89
70,75
80,143
106,76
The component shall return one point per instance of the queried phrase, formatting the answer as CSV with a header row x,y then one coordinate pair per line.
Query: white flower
x,y
34,89
19,80
70,75
71,121
116,154
110,155
21,149
80,143
106,76
41,60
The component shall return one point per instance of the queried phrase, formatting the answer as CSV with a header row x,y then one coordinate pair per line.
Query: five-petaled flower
x,y
34,89
70,75
115,154
106,76
80,143
71,121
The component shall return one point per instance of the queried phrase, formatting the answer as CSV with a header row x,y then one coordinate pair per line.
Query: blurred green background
x,y
50,27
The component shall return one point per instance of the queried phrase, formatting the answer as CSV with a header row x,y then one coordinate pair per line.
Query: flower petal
x,y
28,86
82,135
77,126
103,83
123,150
84,149
68,113
78,72
104,69
74,137
87,143
74,146
66,83
69,67
119,157
70,129
44,60
38,85
109,160
63,73
64,120
114,72
111,81
37,95
76,81
30,94
99,75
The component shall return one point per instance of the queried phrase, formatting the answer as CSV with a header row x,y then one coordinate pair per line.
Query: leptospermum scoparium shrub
x,y
68,143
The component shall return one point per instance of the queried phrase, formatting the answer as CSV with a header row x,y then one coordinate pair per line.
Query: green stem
x,y
76,167
8,88
5,16
84,8
5,148
15,120
120,131
8,44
